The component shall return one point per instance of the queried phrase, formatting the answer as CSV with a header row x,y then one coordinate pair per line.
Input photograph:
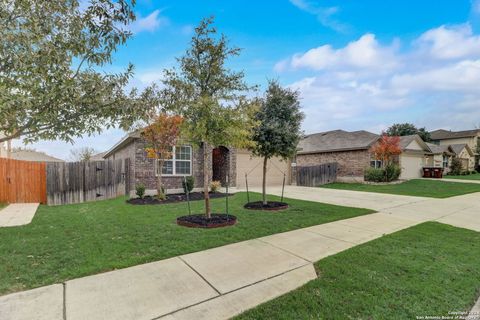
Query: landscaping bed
x,y
174,198
71,241
417,187
216,220
406,275
270,206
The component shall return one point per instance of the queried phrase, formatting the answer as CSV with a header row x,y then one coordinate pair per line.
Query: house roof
x,y
32,155
122,143
445,134
437,149
405,141
458,148
337,140
98,156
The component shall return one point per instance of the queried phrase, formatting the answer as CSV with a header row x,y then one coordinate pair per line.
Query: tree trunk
x,y
208,212
264,183
160,194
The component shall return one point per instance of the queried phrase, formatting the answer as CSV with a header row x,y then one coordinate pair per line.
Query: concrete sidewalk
x,y
17,214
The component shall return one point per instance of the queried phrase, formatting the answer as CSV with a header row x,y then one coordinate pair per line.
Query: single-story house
x,y
187,160
458,139
33,155
351,151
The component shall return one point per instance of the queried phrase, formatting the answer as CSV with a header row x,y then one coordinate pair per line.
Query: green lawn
x,y
417,187
468,177
2,205
71,241
426,270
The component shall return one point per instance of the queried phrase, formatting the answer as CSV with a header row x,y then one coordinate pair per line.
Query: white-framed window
x,y
376,163
178,164
445,161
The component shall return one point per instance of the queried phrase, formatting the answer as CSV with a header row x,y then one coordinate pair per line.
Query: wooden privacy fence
x,y
22,181
312,176
76,182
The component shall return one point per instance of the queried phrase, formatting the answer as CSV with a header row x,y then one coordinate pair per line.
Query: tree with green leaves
x,y
407,129
210,97
279,127
52,85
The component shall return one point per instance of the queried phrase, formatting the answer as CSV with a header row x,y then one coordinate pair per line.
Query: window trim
x,y
174,164
378,164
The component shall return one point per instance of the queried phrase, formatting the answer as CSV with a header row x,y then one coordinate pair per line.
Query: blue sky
x,y
357,64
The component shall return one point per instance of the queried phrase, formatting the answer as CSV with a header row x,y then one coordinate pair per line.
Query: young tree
x,y
386,149
161,135
278,132
407,129
82,154
209,96
51,82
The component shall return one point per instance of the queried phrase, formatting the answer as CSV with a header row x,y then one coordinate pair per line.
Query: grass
x,y
71,241
417,187
467,177
2,205
427,270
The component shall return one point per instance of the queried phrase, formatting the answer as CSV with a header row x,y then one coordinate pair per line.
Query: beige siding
x,y
470,141
411,166
414,146
253,166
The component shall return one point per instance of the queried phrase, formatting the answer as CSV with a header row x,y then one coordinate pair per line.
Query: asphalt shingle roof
x,y
337,140
445,134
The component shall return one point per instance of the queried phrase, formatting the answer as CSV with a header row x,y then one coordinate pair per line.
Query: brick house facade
x,y
143,170
350,163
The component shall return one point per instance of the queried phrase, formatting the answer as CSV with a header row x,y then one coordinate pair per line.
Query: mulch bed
x,y
173,198
271,206
217,220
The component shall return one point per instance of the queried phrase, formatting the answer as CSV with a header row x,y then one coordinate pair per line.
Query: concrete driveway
x,y
17,214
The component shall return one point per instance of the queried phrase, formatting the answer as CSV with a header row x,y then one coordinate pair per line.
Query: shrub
x,y
189,184
374,174
392,172
215,185
140,190
456,167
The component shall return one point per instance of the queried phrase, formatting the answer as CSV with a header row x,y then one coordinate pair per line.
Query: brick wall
x,y
143,169
350,163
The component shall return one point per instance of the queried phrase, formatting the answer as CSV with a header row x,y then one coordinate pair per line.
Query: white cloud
x,y
323,14
450,42
431,82
150,23
366,52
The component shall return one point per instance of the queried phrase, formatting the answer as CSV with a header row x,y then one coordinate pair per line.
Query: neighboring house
x,y
351,151
440,156
32,155
459,139
413,157
98,156
187,160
